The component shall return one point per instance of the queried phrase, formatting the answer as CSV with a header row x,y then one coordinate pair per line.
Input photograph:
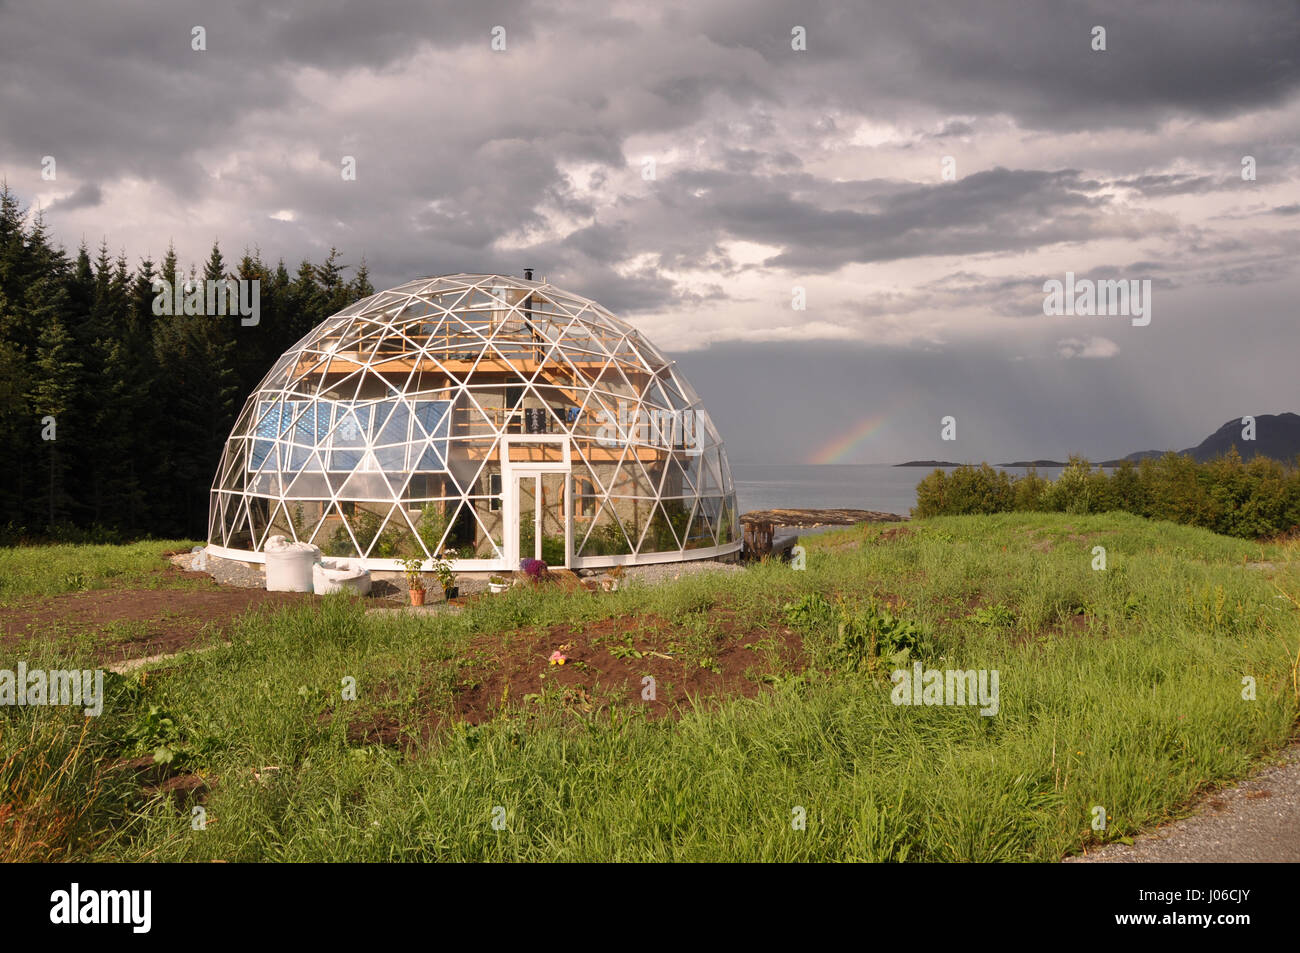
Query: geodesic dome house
x,y
487,417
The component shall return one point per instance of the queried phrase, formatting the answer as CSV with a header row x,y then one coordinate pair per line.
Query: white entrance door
x,y
539,525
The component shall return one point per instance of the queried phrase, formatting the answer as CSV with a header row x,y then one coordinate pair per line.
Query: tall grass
x,y
59,791
49,570
1119,688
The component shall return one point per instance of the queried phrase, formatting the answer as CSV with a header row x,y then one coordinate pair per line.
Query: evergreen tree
x,y
54,381
361,286
142,402
196,388
14,410
307,304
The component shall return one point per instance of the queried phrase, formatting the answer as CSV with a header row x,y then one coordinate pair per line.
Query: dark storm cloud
x,y
821,227
364,33
119,89
954,127
119,92
85,196
825,162
1034,60
1013,401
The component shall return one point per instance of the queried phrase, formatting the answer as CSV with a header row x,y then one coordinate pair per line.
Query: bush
x,y
967,489
854,638
365,525
1175,491
1029,492
432,526
1130,492
1248,500
1079,489
608,540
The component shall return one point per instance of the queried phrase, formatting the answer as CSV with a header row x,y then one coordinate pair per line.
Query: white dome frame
x,y
469,397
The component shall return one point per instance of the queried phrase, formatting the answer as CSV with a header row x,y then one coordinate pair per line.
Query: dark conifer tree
x,y
53,387
142,399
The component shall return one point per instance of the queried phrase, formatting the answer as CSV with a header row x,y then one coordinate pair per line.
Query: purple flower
x,y
532,567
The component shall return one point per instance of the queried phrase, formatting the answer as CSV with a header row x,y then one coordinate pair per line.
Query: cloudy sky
x,y
919,170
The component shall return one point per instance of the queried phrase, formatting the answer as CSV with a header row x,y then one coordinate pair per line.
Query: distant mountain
x,y
1276,436
1136,457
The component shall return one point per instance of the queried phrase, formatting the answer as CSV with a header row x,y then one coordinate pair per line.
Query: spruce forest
x,y
141,404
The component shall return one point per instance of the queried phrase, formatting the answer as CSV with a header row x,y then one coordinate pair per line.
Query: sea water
x,y
860,486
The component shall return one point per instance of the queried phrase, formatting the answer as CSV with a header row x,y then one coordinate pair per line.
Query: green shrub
x,y
365,525
873,637
808,613
1249,500
966,490
1079,489
1029,492
857,638
993,617
1129,490
608,540
1175,491
433,523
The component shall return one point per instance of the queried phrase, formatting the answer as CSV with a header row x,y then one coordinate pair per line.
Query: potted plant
x,y
534,570
498,584
442,569
413,566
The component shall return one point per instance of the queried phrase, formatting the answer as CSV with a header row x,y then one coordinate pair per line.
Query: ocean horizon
x,y
822,486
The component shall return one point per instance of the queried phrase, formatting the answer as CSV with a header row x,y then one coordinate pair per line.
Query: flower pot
x,y
451,593
417,597
498,587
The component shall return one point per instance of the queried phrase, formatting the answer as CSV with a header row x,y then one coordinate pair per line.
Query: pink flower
x,y
557,658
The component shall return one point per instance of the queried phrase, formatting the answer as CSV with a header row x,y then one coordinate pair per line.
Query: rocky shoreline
x,y
811,519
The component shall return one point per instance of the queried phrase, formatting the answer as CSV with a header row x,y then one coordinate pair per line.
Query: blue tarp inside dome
x,y
402,434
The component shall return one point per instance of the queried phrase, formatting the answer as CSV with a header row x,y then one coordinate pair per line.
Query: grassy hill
x,y
1119,687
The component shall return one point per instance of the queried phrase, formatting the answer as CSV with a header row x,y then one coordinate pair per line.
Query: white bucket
x,y
289,565
335,575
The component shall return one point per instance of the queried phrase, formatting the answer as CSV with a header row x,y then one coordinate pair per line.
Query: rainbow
x,y
845,443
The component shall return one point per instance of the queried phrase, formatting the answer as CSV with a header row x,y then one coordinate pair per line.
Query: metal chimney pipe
x,y
528,308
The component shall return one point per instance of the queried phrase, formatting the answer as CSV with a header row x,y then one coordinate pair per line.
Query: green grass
x,y
1119,689
27,571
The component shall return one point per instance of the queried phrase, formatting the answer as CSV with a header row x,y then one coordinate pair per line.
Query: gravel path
x,y
1256,822
226,572
232,573
654,574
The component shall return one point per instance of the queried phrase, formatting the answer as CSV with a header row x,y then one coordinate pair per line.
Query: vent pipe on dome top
x,y
528,307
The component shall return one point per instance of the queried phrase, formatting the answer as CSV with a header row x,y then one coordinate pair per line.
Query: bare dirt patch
x,y
605,664
133,623
182,787
601,666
